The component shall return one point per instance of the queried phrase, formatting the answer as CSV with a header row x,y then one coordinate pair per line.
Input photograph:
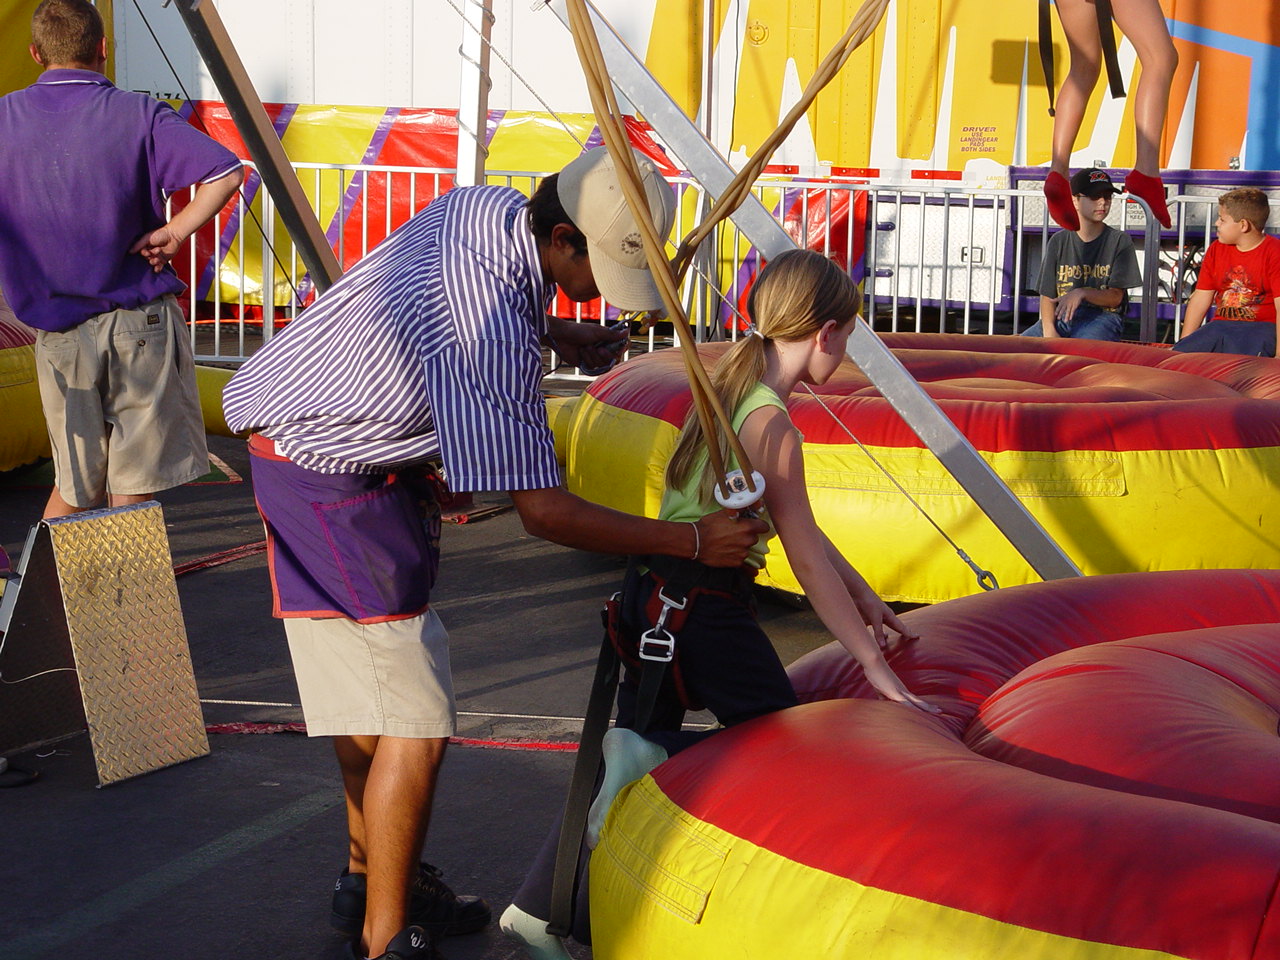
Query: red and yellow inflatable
x,y
24,438
1102,786
1132,457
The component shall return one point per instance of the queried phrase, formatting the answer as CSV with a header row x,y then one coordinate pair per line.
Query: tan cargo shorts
x,y
373,679
120,400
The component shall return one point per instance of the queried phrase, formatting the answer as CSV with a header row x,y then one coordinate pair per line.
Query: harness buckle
x,y
669,604
657,644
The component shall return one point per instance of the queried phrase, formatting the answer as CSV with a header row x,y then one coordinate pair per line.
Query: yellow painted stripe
x,y
210,382
536,142
606,443
665,884
675,62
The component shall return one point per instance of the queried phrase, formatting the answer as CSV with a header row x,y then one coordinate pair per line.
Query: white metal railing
x,y
932,259
1194,217
936,258
239,252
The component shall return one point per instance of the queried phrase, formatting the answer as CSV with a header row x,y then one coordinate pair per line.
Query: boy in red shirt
x,y
1240,278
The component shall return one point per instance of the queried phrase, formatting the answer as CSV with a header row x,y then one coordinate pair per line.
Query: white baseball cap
x,y
591,194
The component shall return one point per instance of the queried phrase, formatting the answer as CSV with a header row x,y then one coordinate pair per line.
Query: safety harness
x,y
678,584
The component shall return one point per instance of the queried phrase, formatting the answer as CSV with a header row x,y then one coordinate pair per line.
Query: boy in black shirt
x,y
1086,274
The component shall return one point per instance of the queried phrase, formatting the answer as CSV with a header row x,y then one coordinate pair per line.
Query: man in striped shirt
x,y
430,349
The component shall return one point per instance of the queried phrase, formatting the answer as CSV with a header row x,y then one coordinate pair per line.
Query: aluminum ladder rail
x,y
918,410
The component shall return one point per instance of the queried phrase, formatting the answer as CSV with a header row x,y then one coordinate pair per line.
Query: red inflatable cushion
x,y
1016,393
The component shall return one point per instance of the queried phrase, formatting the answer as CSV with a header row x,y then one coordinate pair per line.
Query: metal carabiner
x,y
657,643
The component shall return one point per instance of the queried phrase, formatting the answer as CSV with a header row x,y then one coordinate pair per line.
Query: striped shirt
x,y
429,348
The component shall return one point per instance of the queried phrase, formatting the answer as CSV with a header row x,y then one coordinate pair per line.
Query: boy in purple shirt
x,y
84,250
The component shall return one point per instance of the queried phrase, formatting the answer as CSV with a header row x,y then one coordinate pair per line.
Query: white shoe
x,y
531,933
627,757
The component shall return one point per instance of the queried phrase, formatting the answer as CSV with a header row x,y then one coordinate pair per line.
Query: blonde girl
x,y
803,307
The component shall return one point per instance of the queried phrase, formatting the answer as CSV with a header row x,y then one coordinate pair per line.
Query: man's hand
x,y
587,345
158,247
725,538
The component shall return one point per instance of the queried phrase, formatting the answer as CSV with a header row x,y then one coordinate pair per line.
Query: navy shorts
x,y
726,661
1251,338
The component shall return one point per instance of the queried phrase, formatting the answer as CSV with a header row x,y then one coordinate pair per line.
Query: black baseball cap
x,y
1093,182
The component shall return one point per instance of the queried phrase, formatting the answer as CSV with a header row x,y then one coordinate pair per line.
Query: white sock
x,y
531,933
627,757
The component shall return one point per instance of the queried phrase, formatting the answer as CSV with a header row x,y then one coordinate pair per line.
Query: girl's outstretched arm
x,y
771,442
875,612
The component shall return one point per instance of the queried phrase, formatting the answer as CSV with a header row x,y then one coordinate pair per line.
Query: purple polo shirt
x,y
86,169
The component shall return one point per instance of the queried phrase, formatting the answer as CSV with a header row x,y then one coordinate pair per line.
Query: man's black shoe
x,y
411,943
432,905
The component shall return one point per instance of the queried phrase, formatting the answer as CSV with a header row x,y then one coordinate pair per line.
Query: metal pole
x,y
228,72
1150,274
474,84
920,412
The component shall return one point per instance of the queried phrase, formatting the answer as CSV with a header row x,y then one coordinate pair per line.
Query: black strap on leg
x,y
1046,49
656,648
647,696
1108,36
586,769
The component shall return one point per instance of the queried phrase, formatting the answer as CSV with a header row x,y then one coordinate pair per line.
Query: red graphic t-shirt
x,y
1246,284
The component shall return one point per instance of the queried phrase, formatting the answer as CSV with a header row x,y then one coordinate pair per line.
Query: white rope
x,y
514,72
986,579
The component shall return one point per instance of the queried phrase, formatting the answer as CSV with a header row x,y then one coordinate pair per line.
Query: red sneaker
x,y
1150,189
1057,192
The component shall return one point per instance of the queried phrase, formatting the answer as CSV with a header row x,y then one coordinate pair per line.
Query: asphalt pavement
x,y
234,855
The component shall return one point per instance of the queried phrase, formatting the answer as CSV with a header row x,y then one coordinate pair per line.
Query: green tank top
x,y
683,504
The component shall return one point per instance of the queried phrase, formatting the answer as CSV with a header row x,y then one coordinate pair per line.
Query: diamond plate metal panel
x,y
128,639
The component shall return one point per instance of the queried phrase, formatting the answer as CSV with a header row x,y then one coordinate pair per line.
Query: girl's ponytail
x,y
737,372
796,293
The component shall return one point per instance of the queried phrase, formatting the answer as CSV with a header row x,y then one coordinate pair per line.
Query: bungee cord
x,y
862,27
670,275
710,411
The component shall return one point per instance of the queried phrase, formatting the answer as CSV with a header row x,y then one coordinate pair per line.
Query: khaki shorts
x,y
120,400
373,679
